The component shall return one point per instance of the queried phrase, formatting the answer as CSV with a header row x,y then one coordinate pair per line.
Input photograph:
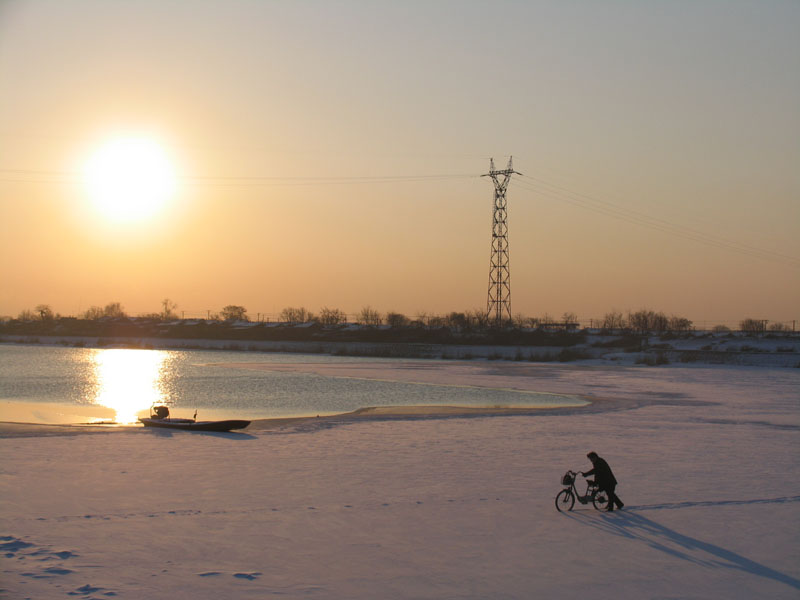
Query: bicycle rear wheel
x,y
565,500
600,499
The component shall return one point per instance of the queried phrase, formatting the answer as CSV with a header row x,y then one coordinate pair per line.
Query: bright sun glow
x,y
129,381
130,179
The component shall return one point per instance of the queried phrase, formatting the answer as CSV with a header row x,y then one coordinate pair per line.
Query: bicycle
x,y
565,499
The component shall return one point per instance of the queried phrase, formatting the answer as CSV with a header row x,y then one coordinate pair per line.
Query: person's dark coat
x,y
602,474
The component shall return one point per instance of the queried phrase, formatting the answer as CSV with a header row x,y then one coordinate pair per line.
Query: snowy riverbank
x,y
438,506
711,349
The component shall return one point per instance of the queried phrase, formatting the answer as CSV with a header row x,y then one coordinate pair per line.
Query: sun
x,y
130,178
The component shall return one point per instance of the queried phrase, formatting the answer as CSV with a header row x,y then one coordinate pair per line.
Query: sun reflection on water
x,y
129,381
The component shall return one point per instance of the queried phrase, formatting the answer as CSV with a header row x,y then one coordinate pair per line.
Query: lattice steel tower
x,y
498,304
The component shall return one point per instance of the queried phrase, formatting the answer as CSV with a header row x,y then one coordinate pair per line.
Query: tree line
x,y
639,322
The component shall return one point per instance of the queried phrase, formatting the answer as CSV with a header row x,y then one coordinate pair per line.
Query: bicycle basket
x,y
568,478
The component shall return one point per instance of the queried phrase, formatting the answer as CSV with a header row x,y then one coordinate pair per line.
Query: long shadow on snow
x,y
228,435
689,504
633,526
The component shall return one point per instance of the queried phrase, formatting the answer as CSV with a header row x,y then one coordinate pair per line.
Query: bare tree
x,y
296,315
331,316
45,312
114,310
613,321
234,312
519,320
436,322
753,325
168,310
394,319
479,318
26,315
569,318
457,321
679,324
639,321
648,321
93,313
369,316
660,322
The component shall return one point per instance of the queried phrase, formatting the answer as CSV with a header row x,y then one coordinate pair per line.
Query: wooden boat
x,y
160,417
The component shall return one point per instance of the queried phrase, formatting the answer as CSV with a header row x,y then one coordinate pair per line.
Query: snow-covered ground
x,y
454,507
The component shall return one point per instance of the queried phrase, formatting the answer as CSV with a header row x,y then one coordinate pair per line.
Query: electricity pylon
x,y
498,304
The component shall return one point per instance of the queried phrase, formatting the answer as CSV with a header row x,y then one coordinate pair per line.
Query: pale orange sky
x,y
683,112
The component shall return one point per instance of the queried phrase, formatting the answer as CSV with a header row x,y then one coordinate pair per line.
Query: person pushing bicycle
x,y
604,478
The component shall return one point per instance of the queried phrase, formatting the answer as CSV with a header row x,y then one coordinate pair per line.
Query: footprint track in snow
x,y
40,562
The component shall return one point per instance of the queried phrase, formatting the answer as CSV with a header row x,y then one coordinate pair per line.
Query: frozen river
x,y
51,384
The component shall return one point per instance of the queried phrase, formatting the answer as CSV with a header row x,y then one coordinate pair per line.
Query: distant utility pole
x,y
498,304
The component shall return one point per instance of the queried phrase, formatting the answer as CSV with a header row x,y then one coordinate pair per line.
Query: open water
x,y
53,384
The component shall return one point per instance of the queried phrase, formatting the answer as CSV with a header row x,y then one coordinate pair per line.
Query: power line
x,y
283,181
529,183
40,176
561,194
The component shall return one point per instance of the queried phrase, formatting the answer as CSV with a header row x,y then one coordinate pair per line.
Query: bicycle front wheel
x,y
600,499
565,500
